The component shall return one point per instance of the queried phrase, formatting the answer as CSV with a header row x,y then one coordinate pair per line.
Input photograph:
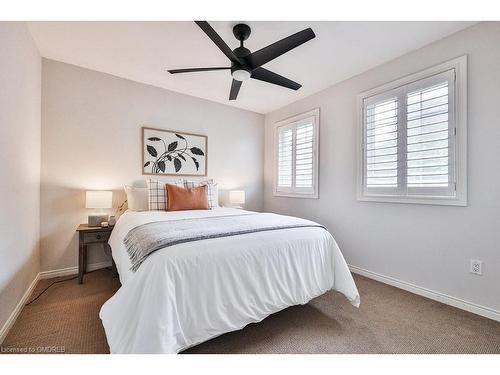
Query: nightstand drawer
x,y
95,237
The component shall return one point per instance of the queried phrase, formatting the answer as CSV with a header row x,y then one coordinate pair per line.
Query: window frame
x,y
292,122
458,140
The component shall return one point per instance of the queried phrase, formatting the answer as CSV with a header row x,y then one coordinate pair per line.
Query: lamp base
x,y
95,220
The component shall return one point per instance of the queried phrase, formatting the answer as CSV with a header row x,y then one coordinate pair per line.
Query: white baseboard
x,y
72,270
432,294
58,273
17,310
40,276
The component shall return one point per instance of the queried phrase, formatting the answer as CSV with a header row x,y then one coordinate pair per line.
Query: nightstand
x,y
87,236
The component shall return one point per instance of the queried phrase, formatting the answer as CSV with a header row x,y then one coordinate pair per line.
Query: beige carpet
x,y
389,321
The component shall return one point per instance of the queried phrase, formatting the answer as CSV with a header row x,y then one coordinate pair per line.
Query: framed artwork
x,y
173,153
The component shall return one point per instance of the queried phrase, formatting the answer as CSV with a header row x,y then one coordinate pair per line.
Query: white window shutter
x,y
430,136
285,157
382,143
410,150
297,156
304,159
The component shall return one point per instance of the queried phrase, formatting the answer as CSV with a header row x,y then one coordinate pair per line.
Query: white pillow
x,y
137,198
213,191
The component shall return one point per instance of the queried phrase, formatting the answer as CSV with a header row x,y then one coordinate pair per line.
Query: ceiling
x,y
143,51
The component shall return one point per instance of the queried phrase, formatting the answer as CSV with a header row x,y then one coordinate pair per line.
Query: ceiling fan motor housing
x,y
243,70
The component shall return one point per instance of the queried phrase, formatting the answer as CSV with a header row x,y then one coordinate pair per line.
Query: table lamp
x,y
98,199
237,198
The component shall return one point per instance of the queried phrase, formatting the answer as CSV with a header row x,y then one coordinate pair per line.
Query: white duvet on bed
x,y
191,292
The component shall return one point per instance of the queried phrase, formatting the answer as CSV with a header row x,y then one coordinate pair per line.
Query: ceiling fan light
x,y
241,75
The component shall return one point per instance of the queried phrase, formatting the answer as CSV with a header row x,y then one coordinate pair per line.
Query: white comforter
x,y
191,292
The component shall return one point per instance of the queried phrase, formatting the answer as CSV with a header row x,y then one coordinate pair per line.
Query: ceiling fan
x,y
246,64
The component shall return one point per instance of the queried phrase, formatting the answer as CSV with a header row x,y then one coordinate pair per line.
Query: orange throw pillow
x,y
180,198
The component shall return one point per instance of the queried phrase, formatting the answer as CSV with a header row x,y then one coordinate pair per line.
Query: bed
x,y
190,292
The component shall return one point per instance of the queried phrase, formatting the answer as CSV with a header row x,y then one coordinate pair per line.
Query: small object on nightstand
x,y
95,220
98,199
104,224
112,220
91,235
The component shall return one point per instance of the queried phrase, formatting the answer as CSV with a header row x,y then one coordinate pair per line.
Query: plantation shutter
x,y
430,131
304,146
381,146
409,138
297,157
285,157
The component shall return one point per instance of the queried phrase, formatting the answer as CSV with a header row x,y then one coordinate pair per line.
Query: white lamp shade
x,y
98,199
237,197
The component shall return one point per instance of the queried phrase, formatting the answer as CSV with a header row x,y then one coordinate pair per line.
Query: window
x,y
413,138
296,156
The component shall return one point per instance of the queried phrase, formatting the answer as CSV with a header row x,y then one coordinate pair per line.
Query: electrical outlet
x,y
476,267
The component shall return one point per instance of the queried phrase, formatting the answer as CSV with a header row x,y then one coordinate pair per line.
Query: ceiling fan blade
x,y
267,76
235,89
219,42
278,48
190,70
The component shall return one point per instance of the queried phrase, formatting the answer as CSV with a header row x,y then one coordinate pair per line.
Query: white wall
x,y
20,77
429,246
91,139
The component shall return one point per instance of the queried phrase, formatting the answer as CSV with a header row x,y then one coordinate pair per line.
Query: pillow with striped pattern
x,y
213,191
157,194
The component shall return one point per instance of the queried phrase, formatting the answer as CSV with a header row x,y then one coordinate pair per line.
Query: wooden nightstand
x,y
91,235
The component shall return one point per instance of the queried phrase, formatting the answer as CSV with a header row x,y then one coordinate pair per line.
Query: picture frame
x,y
173,153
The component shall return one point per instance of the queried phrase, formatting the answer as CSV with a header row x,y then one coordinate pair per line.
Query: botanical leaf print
x,y
196,151
152,151
196,163
177,152
177,165
172,146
